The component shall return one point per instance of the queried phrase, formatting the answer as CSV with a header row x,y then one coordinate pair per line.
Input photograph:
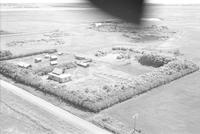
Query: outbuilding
x,y
53,57
82,64
53,63
37,60
46,56
60,53
79,57
24,65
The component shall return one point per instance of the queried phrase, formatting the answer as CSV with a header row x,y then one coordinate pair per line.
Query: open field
x,y
176,34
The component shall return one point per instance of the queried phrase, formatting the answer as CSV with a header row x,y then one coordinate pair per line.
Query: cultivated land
x,y
126,61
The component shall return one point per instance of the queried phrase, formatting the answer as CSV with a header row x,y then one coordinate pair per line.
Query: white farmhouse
x,y
59,76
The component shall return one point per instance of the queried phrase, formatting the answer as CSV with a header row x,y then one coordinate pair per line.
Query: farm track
x,y
82,126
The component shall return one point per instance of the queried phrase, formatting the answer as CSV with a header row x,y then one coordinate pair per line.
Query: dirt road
x,y
21,112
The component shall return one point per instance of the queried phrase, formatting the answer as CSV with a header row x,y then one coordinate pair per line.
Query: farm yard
x,y
97,89
105,70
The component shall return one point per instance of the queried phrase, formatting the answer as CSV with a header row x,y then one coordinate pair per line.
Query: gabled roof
x,y
58,71
23,64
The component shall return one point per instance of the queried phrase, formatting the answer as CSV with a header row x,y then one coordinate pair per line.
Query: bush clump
x,y
153,59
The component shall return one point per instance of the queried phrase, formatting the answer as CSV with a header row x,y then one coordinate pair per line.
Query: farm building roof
x,y
58,71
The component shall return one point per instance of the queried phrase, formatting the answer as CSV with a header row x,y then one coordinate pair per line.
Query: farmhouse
x,y
59,76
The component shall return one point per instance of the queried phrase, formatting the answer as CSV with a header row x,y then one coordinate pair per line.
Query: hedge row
x,y
111,124
28,54
24,76
97,98
153,59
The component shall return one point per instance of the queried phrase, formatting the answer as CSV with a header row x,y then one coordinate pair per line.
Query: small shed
x,y
98,24
79,57
46,56
60,53
82,64
53,63
24,65
53,57
37,60
87,60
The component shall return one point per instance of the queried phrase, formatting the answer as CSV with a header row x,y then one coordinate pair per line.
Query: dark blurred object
x,y
128,10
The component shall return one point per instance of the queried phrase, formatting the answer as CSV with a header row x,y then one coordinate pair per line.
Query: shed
x,y
60,53
46,56
82,64
53,63
98,24
87,60
53,57
79,57
24,65
37,60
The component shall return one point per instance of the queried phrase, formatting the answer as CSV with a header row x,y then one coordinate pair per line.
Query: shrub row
x,y
26,55
96,98
29,78
22,75
111,124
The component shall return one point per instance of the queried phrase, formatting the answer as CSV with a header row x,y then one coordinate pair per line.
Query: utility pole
x,y
135,116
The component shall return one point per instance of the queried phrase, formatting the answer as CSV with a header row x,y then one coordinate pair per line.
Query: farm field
x,y
109,85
